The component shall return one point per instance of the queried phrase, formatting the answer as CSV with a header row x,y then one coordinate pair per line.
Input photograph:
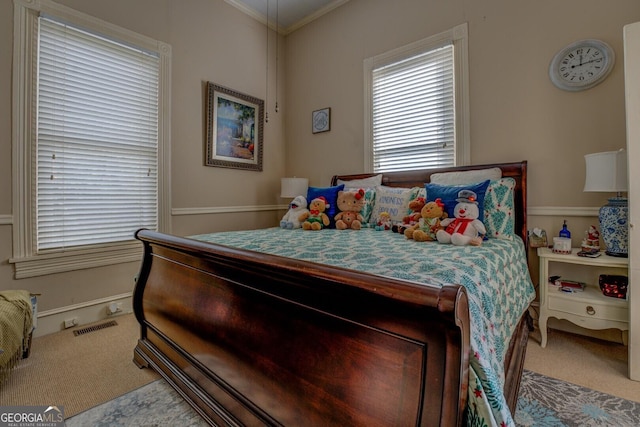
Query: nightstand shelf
x,y
590,308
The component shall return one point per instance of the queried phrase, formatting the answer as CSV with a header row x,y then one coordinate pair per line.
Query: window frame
x,y
26,259
458,37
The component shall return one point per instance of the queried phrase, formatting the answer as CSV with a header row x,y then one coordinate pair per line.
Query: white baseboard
x,y
50,321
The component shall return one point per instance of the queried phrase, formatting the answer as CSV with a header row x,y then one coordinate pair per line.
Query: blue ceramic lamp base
x,y
614,227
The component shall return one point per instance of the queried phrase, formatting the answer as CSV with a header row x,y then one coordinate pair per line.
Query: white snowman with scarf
x,y
465,228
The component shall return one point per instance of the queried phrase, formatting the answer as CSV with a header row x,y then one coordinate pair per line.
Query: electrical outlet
x,y
114,307
70,323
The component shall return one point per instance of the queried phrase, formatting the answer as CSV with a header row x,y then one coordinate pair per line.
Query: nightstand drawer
x,y
590,309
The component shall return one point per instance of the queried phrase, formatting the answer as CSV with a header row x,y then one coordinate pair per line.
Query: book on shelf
x,y
589,253
566,285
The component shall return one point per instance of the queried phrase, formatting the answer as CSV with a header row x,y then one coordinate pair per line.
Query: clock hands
x,y
585,63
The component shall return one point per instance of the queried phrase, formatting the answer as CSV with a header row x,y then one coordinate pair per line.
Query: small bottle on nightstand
x,y
565,232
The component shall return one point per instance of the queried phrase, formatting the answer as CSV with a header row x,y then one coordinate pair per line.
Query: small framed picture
x,y
321,120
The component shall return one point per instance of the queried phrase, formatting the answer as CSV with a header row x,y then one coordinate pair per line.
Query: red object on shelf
x,y
613,286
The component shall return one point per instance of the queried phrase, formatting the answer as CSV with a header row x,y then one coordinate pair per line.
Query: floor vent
x,y
94,328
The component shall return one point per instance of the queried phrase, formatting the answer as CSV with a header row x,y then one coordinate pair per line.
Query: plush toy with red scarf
x,y
315,218
465,228
431,216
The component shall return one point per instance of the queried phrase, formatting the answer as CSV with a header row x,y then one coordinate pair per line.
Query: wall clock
x,y
321,120
581,65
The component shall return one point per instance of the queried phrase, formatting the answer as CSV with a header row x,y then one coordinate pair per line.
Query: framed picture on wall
x,y
321,120
235,124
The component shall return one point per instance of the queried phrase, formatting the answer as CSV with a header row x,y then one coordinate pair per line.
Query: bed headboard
x,y
517,171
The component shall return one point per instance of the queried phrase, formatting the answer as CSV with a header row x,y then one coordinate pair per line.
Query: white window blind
x,y
97,138
413,112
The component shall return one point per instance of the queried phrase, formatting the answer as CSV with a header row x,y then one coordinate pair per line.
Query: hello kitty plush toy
x,y
465,228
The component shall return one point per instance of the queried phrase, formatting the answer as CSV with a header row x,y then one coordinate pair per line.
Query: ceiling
x,y
291,14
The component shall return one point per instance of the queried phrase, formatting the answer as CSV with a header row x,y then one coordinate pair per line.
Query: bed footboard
x,y
254,339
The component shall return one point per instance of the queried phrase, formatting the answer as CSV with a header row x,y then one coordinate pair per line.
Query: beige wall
x,y
516,113
211,41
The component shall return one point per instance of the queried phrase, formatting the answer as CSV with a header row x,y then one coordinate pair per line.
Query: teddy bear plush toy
x,y
431,216
410,220
350,203
297,207
465,228
315,218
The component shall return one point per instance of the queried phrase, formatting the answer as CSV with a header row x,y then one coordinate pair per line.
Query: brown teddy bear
x,y
350,203
315,218
426,228
416,206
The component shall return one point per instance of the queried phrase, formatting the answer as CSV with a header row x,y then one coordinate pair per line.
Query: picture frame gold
x,y
234,129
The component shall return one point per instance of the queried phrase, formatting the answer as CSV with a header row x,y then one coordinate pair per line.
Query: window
x,y
92,148
416,113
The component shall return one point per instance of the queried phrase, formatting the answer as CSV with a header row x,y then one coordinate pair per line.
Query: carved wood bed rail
x,y
249,339
254,339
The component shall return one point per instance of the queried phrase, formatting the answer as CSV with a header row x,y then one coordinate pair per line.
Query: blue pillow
x,y
449,193
329,193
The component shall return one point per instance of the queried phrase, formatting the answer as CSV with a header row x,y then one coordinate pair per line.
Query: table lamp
x,y
292,187
607,172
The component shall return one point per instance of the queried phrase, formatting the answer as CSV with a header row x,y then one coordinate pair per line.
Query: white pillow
x,y
371,182
394,201
466,177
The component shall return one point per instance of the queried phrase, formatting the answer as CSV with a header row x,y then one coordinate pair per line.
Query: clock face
x,y
581,65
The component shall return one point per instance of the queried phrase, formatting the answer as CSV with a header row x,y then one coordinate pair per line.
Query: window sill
x,y
78,259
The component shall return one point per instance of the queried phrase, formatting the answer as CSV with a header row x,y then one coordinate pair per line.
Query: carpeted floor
x,y
78,372
543,402
589,362
81,373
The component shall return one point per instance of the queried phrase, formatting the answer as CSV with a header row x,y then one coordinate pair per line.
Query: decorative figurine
x,y
591,241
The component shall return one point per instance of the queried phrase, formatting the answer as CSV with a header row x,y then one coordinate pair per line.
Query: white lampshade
x,y
606,172
292,187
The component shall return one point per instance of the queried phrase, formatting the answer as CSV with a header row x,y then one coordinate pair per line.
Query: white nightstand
x,y
589,309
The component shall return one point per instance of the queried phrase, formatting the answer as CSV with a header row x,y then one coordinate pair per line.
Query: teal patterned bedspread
x,y
495,275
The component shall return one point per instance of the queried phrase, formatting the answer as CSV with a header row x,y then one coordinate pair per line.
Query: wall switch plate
x,y
70,323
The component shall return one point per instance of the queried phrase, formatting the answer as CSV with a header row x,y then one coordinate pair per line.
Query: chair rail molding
x,y
226,209
563,211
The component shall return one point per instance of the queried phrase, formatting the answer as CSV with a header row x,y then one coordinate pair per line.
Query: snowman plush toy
x,y
465,228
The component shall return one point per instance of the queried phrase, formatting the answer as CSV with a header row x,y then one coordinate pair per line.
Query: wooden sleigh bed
x,y
251,338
